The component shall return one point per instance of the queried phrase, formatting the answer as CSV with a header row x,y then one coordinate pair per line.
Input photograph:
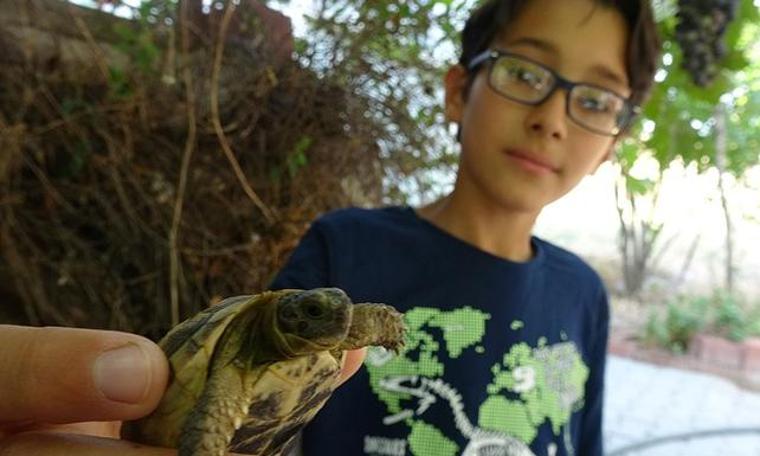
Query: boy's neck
x,y
491,228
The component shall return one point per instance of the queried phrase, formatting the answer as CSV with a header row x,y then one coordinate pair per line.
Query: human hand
x,y
352,363
65,391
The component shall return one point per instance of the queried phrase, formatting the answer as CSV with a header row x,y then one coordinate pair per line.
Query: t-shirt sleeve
x,y
591,430
309,264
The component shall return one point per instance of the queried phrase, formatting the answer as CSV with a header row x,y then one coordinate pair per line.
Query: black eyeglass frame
x,y
629,112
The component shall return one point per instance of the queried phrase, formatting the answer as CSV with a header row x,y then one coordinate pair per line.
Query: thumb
x,y
60,375
351,363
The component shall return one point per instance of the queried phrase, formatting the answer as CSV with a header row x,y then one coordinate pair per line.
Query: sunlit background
x,y
668,180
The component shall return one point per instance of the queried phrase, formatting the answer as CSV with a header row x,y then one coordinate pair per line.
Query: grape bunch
x,y
699,32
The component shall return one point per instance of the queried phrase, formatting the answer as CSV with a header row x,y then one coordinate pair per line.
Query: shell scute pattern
x,y
249,373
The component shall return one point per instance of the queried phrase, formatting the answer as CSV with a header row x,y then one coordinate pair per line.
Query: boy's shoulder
x,y
358,216
563,260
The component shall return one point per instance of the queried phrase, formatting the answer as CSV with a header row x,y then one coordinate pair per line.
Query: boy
x,y
507,333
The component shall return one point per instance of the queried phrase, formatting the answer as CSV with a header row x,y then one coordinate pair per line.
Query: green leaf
x,y
735,60
297,159
638,186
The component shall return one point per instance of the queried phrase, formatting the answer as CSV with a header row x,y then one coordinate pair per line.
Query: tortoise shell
x,y
249,373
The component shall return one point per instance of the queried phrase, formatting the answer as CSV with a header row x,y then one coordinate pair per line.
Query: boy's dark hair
x,y
643,46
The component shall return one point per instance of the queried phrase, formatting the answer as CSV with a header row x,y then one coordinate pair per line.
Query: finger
x,y
352,363
61,444
61,375
110,429
95,428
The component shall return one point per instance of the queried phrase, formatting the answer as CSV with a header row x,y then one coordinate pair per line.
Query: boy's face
x,y
524,157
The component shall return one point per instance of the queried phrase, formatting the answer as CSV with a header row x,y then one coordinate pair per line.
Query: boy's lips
x,y
531,161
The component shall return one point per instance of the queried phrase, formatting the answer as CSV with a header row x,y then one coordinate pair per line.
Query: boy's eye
x,y
593,104
528,76
597,101
516,75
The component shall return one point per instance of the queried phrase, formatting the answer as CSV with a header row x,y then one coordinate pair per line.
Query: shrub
x,y
722,313
683,318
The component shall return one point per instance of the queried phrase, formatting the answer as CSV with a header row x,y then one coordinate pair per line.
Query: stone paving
x,y
645,402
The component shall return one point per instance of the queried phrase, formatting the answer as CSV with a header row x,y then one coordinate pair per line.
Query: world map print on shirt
x,y
530,387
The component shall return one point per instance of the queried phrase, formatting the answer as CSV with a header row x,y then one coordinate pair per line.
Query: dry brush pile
x,y
151,188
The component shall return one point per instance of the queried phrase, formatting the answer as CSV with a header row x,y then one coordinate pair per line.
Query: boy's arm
x,y
308,265
591,429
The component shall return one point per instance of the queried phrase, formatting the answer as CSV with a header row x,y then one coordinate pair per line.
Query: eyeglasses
x,y
594,108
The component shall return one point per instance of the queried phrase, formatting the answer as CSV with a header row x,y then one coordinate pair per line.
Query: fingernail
x,y
123,374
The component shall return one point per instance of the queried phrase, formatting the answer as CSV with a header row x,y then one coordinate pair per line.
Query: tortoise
x,y
250,372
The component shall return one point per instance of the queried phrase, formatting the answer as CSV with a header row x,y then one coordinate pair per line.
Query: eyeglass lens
x,y
524,81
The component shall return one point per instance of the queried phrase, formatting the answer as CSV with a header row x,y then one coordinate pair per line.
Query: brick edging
x,y
735,361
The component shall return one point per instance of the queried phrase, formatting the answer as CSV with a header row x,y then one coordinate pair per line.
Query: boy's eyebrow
x,y
546,46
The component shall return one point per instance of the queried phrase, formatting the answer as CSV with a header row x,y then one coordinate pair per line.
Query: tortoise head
x,y
312,320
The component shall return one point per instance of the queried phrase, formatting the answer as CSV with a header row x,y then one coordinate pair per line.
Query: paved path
x,y
645,402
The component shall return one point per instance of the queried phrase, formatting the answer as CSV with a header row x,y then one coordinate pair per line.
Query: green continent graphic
x,y
427,440
500,413
549,381
462,329
531,386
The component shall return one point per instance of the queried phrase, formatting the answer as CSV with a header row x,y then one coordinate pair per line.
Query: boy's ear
x,y
454,82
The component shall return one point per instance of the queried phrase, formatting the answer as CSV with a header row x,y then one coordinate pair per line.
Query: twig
x,y
85,31
222,251
47,185
687,261
218,52
186,156
26,273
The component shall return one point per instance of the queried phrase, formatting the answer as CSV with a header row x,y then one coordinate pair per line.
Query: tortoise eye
x,y
314,310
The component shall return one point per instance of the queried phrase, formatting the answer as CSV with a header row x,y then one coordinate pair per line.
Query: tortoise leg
x,y
219,412
375,324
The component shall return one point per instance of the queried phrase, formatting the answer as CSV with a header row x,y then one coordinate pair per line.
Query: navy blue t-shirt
x,y
501,357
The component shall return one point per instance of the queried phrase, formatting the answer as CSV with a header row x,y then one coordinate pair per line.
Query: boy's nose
x,y
550,117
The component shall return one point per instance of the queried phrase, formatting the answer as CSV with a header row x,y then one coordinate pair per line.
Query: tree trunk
x,y
636,239
720,162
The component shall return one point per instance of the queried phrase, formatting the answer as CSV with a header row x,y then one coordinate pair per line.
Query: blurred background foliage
x,y
353,115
